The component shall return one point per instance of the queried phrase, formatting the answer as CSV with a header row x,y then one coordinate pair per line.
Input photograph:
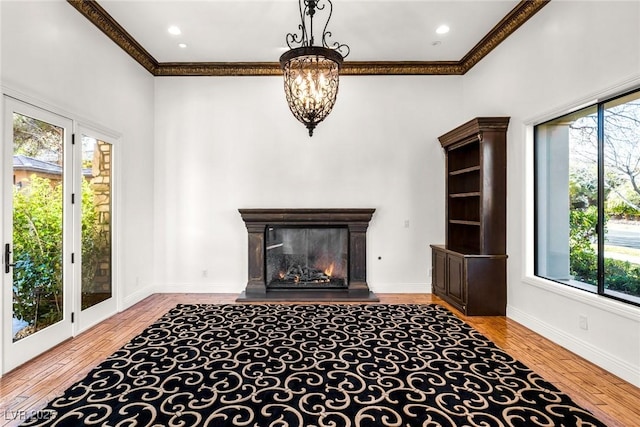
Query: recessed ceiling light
x,y
174,30
442,29
182,45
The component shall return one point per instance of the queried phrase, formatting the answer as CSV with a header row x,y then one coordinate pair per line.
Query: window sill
x,y
598,301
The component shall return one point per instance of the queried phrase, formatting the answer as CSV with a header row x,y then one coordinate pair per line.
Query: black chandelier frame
x,y
303,53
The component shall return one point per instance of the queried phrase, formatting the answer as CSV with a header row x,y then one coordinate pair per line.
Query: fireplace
x,y
307,254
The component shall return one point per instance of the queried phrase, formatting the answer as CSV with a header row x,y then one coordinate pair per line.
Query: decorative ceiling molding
x,y
218,69
503,29
361,68
101,19
352,68
91,10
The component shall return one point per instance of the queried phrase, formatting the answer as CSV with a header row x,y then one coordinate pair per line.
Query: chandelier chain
x,y
305,37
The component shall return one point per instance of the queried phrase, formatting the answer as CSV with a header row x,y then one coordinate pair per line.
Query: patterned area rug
x,y
312,365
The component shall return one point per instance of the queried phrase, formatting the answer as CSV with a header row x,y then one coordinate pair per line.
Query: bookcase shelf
x,y
469,271
463,222
465,170
470,194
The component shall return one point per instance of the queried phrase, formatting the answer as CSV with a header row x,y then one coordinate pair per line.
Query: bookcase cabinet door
x,y
439,272
456,283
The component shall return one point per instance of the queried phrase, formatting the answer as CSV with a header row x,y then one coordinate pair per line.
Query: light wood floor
x,y
30,386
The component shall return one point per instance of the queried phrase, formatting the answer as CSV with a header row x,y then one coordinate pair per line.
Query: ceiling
x,y
236,37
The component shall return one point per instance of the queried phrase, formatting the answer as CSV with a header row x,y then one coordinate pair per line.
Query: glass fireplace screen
x,y
315,257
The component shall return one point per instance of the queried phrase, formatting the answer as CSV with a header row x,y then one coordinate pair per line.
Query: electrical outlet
x,y
406,223
205,273
583,322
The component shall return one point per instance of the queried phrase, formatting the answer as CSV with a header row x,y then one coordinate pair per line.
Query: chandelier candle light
x,y
311,73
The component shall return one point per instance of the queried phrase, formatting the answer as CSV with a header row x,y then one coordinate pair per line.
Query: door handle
x,y
7,258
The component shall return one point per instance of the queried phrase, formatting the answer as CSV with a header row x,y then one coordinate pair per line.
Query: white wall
x,y
53,57
567,54
229,143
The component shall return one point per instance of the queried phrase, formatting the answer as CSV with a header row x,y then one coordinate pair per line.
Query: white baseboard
x,y
215,288
596,355
198,288
400,288
136,297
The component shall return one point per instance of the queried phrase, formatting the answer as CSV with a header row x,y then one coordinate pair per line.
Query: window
x,y
587,198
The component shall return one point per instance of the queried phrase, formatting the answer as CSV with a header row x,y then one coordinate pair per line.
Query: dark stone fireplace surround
x,y
356,221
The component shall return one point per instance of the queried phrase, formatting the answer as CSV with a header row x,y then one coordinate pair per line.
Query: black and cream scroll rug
x,y
312,365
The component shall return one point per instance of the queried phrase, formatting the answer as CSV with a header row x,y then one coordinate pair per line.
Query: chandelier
x,y
311,73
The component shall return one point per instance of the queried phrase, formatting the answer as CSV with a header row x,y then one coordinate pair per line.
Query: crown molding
x,y
503,29
218,69
99,17
362,68
353,68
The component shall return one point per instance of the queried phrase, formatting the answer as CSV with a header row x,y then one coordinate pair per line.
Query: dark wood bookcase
x,y
469,271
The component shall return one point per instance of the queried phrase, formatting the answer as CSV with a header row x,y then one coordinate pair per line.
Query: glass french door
x,y
95,269
57,228
37,249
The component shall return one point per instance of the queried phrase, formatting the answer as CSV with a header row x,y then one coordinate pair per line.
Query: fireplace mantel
x,y
307,216
355,220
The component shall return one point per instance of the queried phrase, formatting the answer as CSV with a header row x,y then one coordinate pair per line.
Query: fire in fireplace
x,y
307,257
